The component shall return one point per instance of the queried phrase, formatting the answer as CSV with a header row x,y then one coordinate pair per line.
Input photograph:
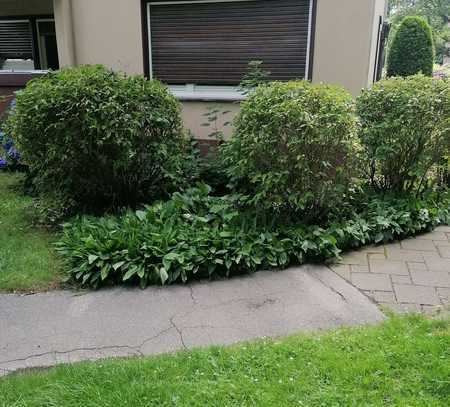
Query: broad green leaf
x,y
163,275
118,265
130,273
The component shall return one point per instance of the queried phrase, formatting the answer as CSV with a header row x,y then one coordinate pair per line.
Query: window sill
x,y
11,79
22,71
207,93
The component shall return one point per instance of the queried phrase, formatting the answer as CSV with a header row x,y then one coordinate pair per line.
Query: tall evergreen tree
x,y
411,50
435,12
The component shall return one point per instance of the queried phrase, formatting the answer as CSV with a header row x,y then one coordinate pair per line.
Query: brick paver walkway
x,y
408,276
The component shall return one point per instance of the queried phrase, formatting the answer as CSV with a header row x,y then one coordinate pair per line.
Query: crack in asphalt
x,y
330,287
180,332
337,292
136,349
371,299
194,300
57,352
197,311
153,338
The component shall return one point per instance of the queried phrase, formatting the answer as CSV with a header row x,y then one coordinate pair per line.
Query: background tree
x,y
411,49
435,12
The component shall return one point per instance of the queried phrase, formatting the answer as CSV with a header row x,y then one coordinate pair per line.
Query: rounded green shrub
x,y
411,50
404,131
292,146
99,138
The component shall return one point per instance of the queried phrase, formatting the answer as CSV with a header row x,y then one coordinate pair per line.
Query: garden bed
x,y
195,235
307,174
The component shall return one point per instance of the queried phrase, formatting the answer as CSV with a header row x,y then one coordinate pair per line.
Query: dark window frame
x,y
147,46
381,49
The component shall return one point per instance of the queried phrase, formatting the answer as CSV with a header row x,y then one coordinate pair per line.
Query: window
x,y
28,44
210,42
16,45
48,50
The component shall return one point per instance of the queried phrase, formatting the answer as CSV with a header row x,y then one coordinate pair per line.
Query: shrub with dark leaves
x,y
292,148
405,132
99,138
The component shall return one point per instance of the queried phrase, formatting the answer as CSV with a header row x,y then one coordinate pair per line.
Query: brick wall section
x,y
10,83
207,146
6,95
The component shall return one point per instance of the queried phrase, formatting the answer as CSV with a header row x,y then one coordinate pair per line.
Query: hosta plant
x,y
195,235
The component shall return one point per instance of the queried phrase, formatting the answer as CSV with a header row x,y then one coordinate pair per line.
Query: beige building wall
x,y
109,32
345,42
64,32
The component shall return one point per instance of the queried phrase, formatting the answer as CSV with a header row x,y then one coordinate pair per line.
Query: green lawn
x,y
403,362
27,260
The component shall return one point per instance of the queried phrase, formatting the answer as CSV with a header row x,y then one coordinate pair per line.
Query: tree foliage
x,y
411,50
404,131
435,12
98,138
291,147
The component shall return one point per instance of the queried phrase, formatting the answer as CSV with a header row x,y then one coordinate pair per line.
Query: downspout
x,y
369,80
65,32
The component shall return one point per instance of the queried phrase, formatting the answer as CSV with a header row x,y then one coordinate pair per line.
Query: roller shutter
x,y
212,42
15,39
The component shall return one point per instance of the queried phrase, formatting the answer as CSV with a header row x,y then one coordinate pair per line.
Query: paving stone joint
x,y
408,276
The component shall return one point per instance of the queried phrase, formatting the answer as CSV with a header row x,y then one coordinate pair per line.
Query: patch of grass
x,y
403,362
27,259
